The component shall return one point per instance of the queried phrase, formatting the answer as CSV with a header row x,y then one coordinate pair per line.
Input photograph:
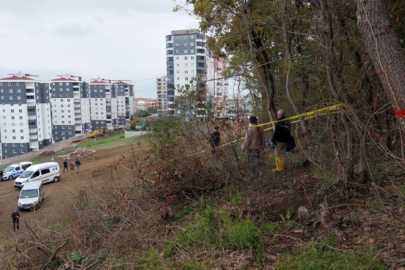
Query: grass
x,y
110,141
324,256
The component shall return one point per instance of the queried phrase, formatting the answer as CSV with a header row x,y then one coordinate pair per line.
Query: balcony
x,y
33,138
33,130
32,117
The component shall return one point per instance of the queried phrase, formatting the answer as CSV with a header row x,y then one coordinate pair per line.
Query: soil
x,y
57,195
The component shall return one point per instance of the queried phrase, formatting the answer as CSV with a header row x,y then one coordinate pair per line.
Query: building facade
x,y
125,100
69,97
161,86
190,62
111,103
25,115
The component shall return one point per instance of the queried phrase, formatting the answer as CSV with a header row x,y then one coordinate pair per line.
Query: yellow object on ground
x,y
280,164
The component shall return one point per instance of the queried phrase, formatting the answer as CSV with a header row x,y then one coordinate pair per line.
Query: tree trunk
x,y
288,76
385,52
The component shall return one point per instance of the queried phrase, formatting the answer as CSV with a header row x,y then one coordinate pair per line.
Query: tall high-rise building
x,y
69,97
161,86
220,87
190,62
25,115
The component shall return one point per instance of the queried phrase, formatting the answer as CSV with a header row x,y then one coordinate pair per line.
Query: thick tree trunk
x,y
385,52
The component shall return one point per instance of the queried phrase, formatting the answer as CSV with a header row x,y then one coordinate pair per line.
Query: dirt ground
x,y
58,195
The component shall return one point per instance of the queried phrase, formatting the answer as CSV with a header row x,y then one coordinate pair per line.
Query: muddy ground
x,y
59,195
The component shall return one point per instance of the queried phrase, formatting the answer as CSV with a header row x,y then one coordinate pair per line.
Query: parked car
x,y
15,170
44,172
31,196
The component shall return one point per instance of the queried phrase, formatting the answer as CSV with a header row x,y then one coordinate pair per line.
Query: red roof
x,y
63,80
95,81
16,78
120,82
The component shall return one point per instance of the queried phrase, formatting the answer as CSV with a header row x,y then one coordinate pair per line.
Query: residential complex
x,y
190,62
25,121
34,114
70,107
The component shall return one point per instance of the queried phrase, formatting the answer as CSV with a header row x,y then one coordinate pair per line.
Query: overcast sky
x,y
112,39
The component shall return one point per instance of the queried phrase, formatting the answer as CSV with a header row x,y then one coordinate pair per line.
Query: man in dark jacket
x,y
215,139
280,140
77,162
65,165
16,219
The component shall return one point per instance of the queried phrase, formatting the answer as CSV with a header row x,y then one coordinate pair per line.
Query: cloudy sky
x,y
112,39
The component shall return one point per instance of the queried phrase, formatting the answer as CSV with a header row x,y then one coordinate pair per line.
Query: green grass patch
x,y
322,256
111,141
214,229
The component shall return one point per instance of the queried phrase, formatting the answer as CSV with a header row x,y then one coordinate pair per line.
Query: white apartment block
x,y
219,86
161,86
125,100
25,115
70,107
111,103
189,59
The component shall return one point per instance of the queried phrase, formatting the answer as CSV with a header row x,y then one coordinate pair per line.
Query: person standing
x,y
255,144
72,166
65,165
16,220
78,164
280,140
215,140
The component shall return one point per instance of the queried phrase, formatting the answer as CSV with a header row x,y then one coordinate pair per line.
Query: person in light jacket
x,y
254,143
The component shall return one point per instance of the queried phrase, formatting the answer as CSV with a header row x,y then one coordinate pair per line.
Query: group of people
x,y
255,143
71,165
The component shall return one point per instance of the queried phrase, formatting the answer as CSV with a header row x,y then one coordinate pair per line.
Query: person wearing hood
x,y
280,140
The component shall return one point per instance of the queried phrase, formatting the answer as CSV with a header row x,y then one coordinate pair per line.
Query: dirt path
x,y
57,195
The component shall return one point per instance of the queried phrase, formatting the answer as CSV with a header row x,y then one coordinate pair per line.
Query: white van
x,y
15,170
31,196
44,172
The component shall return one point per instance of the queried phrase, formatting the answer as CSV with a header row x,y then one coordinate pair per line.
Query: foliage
x,y
318,256
215,228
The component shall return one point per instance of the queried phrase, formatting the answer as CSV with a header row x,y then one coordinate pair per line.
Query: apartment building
x,y
161,86
25,115
69,97
188,59
125,100
111,103
220,87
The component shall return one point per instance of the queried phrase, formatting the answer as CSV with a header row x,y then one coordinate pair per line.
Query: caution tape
x,y
311,113
307,116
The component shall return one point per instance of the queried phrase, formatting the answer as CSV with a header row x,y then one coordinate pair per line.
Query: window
x,y
186,71
191,37
10,84
192,51
12,111
177,51
21,117
185,44
185,58
36,174
22,137
186,78
13,130
14,151
12,117
21,130
185,51
20,111
14,137
18,90
18,97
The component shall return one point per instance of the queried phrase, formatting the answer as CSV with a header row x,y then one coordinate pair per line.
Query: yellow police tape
x,y
311,113
307,116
